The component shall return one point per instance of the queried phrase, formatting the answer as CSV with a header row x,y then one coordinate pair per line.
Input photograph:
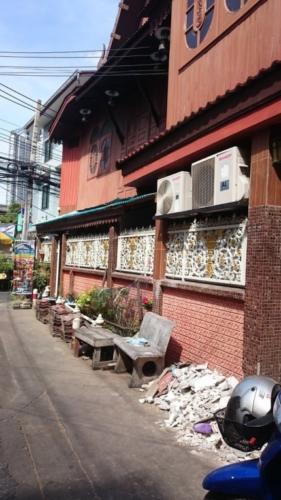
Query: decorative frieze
x,y
88,251
136,251
213,249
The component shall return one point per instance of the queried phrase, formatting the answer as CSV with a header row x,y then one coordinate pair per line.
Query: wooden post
x,y
53,266
62,263
159,263
112,254
71,282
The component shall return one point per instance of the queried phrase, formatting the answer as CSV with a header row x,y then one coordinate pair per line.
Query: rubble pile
x,y
192,394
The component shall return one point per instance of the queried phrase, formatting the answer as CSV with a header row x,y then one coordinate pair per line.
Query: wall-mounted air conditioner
x,y
174,194
218,179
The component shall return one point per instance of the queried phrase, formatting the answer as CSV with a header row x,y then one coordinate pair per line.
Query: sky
x,y
50,25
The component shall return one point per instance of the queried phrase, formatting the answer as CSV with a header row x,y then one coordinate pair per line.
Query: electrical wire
x,y
11,123
34,175
67,75
15,102
40,149
21,101
87,51
35,206
74,68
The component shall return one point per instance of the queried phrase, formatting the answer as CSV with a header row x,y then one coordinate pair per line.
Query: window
x,y
48,151
94,159
235,5
45,196
198,21
100,153
105,148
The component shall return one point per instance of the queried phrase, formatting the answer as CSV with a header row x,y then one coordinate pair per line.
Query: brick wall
x,y
145,288
262,342
207,329
82,282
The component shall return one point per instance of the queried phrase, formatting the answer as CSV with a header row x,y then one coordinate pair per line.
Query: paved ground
x,y
69,433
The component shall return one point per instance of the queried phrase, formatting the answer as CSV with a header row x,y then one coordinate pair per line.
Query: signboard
x,y
24,252
7,233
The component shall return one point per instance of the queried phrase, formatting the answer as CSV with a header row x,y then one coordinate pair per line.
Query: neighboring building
x,y
19,151
208,252
48,157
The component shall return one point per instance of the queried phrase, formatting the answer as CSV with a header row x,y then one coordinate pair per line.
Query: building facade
x,y
190,86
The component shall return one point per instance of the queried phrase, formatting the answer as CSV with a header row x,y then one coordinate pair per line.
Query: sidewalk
x,y
81,433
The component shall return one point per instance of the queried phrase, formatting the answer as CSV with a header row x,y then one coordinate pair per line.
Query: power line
x,y
40,148
125,55
69,51
38,176
35,206
21,101
11,123
15,102
66,75
81,68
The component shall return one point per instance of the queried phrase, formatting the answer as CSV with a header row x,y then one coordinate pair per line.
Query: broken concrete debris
x,y
191,394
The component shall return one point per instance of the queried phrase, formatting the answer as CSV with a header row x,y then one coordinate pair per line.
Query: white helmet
x,y
248,419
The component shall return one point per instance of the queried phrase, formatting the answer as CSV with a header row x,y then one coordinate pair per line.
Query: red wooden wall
x,y
237,46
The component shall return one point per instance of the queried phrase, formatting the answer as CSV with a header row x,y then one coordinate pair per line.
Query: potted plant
x,y
147,304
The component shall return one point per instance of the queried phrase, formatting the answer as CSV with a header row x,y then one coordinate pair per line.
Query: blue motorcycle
x,y
251,419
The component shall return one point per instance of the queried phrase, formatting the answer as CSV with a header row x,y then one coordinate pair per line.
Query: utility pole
x,y
29,182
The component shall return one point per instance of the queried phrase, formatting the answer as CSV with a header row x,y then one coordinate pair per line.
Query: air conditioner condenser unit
x,y
219,179
174,193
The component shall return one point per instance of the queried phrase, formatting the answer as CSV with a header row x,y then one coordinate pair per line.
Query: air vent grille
x,y
203,177
165,197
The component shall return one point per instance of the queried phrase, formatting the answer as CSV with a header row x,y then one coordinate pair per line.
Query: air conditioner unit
x,y
218,179
174,194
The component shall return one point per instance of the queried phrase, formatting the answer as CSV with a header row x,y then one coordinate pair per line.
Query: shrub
x,y
41,276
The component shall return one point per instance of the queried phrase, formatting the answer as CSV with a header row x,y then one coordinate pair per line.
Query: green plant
x,y
6,271
147,303
96,301
115,305
6,265
12,213
41,276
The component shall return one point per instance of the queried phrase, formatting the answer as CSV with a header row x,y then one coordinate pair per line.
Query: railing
x,y
136,251
88,251
212,250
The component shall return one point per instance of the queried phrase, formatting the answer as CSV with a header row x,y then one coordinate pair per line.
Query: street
x,y
68,432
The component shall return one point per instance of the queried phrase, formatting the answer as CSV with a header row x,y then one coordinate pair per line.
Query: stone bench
x,y
146,362
101,340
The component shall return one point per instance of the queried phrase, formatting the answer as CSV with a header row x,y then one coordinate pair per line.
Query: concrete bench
x,y
146,362
101,340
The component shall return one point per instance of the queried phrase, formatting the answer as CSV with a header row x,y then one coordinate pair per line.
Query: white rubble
x,y
194,394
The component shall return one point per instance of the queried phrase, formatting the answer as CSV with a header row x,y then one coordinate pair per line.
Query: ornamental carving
x,y
209,250
200,17
89,251
136,251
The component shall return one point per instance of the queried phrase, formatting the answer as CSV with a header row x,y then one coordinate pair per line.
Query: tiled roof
x,y
118,202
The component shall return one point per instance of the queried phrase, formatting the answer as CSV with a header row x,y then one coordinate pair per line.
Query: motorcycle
x,y
258,479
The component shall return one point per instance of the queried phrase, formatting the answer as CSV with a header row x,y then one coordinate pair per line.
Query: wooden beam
x,y
148,99
118,130
266,115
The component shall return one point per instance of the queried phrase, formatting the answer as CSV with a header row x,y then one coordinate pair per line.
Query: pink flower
x,y
147,302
